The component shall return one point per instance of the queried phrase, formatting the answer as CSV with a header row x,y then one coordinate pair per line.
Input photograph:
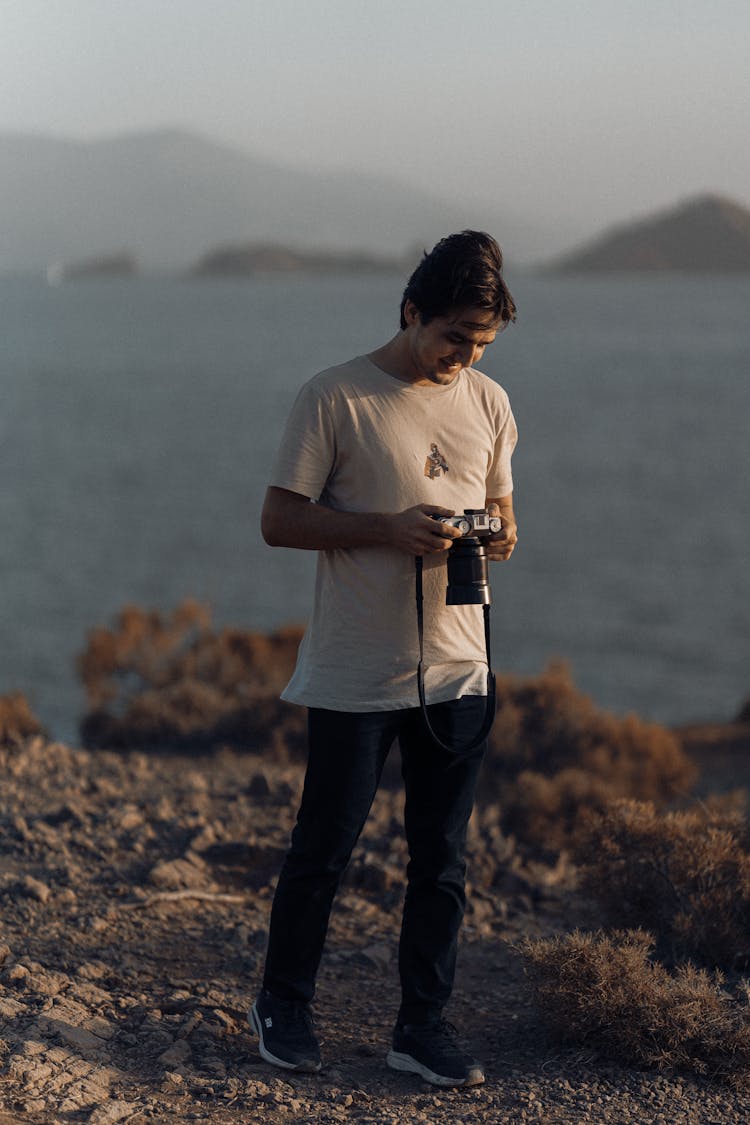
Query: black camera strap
x,y
489,714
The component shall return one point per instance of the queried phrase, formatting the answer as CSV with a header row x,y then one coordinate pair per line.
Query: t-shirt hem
x,y
401,703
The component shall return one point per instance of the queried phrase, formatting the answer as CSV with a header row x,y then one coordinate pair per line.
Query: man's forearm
x,y
291,521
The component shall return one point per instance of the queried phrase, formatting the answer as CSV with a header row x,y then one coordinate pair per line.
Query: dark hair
x,y
463,271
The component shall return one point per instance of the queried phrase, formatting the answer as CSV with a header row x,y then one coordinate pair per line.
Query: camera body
x,y
475,521
468,580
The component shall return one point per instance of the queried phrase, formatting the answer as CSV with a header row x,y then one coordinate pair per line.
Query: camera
x,y
468,580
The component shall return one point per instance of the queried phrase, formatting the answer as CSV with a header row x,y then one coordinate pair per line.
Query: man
x,y
356,480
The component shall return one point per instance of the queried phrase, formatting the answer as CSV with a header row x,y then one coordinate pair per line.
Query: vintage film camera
x,y
468,580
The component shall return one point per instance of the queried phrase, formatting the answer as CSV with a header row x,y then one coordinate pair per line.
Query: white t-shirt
x,y
360,440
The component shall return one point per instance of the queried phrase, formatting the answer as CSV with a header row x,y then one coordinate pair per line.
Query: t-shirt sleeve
x,y
308,446
499,475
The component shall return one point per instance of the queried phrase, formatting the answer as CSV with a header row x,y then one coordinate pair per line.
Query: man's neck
x,y
394,358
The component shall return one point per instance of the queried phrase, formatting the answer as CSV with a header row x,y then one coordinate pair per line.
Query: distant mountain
x,y
707,234
169,197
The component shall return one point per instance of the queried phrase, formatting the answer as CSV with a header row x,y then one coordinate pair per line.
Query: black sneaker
x,y
285,1031
432,1051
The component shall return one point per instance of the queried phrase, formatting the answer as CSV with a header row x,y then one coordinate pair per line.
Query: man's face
x,y
438,350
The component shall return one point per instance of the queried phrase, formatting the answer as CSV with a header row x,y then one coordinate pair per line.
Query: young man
x,y
357,479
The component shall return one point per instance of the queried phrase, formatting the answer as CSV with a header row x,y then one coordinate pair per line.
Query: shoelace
x,y
296,1016
442,1031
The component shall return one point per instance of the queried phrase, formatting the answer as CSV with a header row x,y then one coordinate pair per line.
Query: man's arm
x,y
290,519
498,550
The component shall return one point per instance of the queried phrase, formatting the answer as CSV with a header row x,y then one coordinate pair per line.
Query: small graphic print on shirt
x,y
435,464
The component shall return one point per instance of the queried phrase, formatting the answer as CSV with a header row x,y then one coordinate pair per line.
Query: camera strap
x,y
489,714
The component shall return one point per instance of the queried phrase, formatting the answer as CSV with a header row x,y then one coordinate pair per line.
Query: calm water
x,y
138,420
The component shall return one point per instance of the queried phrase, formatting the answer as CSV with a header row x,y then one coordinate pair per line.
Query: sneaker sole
x,y
410,1065
303,1068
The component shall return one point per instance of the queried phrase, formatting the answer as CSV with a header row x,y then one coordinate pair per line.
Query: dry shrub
x,y
683,875
603,991
169,679
553,754
17,721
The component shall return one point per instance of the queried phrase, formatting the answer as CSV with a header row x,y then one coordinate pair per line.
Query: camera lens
x,y
468,581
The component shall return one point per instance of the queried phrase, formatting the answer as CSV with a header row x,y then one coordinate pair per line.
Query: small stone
x,y
176,874
177,1054
131,818
100,1027
34,888
258,786
9,1009
110,1112
19,974
79,1038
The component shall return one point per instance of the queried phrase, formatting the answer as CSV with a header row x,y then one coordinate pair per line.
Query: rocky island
x,y
707,234
109,265
274,258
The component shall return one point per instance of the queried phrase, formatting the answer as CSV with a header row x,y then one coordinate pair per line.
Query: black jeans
x,y
347,751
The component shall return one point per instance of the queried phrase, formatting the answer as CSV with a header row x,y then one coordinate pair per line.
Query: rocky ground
x,y
135,892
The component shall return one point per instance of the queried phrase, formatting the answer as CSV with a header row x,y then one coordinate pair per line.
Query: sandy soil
x,y
136,890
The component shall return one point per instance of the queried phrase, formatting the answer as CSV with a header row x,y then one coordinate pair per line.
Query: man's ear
x,y
412,314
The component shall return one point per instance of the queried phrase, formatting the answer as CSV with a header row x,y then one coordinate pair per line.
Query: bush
x,y
171,680
17,721
683,875
554,754
603,991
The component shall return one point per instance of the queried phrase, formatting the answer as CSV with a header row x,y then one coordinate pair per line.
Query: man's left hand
x,y
500,549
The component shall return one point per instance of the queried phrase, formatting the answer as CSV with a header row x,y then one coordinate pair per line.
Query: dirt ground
x,y
136,890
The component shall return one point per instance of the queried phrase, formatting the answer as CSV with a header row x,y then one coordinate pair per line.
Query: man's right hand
x,y
415,532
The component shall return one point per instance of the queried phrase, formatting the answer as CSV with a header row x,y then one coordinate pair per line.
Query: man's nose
x,y
469,353
464,354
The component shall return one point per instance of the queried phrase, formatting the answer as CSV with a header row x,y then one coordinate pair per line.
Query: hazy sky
x,y
576,112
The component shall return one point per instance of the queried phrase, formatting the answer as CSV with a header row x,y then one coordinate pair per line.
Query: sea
x,y
139,418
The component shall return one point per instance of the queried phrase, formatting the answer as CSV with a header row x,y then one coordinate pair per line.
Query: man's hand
x,y
417,533
500,549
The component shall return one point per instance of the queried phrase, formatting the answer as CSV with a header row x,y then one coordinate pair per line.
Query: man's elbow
x,y
271,529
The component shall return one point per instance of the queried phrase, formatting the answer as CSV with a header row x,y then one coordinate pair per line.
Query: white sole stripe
x,y
407,1063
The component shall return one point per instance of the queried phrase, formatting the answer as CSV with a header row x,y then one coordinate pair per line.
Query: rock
x,y
34,888
131,818
177,1054
9,1008
92,970
110,1112
102,1028
79,1038
258,786
379,955
68,1020
181,874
